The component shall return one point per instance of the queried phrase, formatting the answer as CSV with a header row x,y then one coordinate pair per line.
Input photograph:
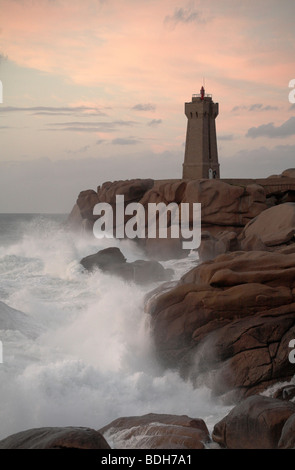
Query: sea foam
x,y
77,348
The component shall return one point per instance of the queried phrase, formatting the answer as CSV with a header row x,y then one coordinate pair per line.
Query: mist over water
x,y
76,346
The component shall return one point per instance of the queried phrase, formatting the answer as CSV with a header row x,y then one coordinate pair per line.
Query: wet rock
x,y
287,392
86,202
56,438
224,206
229,321
157,431
112,261
274,226
256,423
289,173
287,439
133,190
212,246
104,259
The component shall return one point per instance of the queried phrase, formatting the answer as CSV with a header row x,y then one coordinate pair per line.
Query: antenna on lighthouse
x,y
202,91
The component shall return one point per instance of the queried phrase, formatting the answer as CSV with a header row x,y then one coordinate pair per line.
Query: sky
x,y
94,91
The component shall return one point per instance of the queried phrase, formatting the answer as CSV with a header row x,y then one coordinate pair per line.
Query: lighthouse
x,y
201,155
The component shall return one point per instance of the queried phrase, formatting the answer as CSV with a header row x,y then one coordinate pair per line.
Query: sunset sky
x,y
94,90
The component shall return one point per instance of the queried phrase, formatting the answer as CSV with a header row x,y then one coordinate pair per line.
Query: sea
x,y
76,348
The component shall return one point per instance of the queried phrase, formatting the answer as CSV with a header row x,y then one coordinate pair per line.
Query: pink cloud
x,y
125,48
126,44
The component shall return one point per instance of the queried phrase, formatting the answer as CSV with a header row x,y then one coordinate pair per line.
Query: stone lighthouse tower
x,y
201,157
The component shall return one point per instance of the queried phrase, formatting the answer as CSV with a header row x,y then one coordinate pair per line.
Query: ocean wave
x,y
77,348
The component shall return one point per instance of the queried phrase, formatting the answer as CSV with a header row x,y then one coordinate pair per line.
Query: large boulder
x,y
104,259
157,431
212,246
224,206
286,392
82,217
272,229
132,190
287,439
86,201
288,173
112,261
56,438
233,315
257,423
274,226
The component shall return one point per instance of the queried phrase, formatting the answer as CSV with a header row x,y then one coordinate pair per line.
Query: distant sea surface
x,y
13,226
76,347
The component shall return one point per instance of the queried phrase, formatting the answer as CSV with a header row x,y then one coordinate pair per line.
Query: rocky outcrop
x,y
151,431
287,439
287,392
56,438
132,190
273,227
112,261
157,431
271,230
258,422
106,259
212,246
229,321
289,173
226,205
86,202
